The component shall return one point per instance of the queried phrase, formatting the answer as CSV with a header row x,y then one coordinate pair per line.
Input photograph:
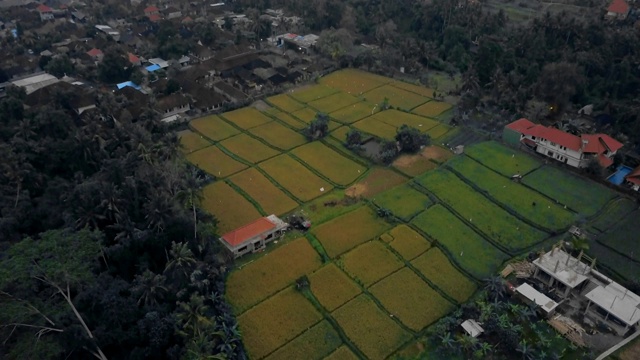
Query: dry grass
x,y
278,135
376,181
296,178
332,287
246,117
191,141
348,231
408,243
329,163
271,199
370,262
215,162
249,148
369,328
412,300
276,321
435,266
230,208
214,127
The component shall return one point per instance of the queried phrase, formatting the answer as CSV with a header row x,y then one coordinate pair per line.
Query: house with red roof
x,y
633,179
134,60
254,236
95,54
154,17
618,9
151,10
562,146
46,13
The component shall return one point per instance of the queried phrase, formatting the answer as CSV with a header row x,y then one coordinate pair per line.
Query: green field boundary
x,y
502,205
605,211
317,246
283,123
246,196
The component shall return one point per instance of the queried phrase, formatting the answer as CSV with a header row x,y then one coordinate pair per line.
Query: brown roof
x,y
171,101
205,97
230,90
78,96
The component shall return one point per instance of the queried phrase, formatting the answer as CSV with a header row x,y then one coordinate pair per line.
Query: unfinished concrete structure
x,y
253,237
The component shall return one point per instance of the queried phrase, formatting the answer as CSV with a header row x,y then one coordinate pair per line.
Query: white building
x,y
115,34
34,82
254,236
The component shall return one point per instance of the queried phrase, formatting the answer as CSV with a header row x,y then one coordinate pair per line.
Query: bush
x,y
319,127
388,151
354,139
411,139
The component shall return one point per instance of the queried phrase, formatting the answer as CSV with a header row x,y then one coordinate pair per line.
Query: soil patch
x,y
434,153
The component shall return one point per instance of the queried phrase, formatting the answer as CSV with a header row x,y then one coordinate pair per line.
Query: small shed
x,y
533,296
472,328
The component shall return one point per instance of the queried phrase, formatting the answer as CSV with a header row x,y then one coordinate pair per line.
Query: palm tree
x,y
181,260
495,287
467,343
448,343
190,196
149,287
525,349
191,316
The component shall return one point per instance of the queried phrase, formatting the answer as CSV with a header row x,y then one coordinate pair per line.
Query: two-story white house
x,y
570,149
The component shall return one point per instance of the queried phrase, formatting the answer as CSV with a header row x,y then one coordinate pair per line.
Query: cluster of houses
x,y
212,75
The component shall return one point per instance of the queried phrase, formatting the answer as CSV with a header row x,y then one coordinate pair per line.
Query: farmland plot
x,y
296,178
404,201
353,81
438,131
215,162
191,141
334,102
354,112
403,292
313,344
249,148
329,163
408,243
288,119
624,238
370,262
617,211
246,117
397,118
369,328
278,135
276,321
432,108
465,246
435,266
376,181
332,287
271,199
312,93
213,127
500,158
285,102
420,90
398,98
492,220
230,208
343,353
377,128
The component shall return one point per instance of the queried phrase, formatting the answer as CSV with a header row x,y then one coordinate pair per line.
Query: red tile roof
x,y
44,8
187,19
150,9
520,125
554,135
94,52
133,59
618,7
634,176
613,144
604,161
592,144
240,235
155,17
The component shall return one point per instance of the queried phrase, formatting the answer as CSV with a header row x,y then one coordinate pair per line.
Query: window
x,y
553,144
242,249
533,138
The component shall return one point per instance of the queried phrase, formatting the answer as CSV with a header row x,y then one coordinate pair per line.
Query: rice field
x,y
329,163
370,262
333,102
230,208
288,119
285,103
332,287
492,220
398,98
213,127
276,321
413,164
435,266
403,201
270,273
377,128
215,162
432,108
305,115
468,249
271,199
278,135
352,81
249,148
624,237
370,329
407,242
500,158
312,93
397,118
305,185
438,131
615,212
420,90
577,193
350,230
343,353
314,344
246,118
354,112
191,141
376,180
410,299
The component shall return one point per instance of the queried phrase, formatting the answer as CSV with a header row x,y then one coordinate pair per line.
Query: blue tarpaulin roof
x,y
128,83
152,68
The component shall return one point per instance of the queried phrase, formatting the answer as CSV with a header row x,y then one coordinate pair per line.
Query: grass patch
x,y
246,117
329,206
271,199
332,287
333,102
370,262
350,230
413,164
432,108
270,273
278,135
343,353
403,201
514,195
582,195
215,162
435,266
408,243
614,261
502,159
397,118
214,127
369,328
376,127
191,141
353,81
418,89
249,148
354,112
398,97
618,210
312,93
329,163
288,119
230,208
285,102
412,300
376,181
488,217
465,246
313,344
304,184
624,238
276,321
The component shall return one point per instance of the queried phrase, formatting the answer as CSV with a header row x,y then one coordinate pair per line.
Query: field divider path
x,y
213,142
317,246
505,207
347,154
327,316
246,196
626,256
316,172
276,184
